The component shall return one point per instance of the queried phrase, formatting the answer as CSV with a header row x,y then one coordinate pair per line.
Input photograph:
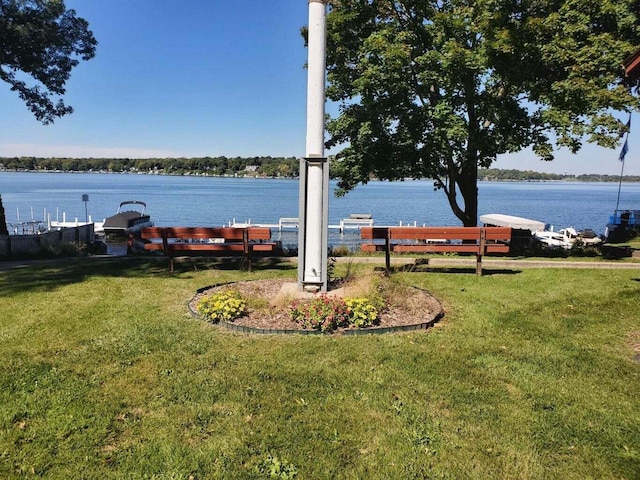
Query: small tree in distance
x,y
43,40
436,89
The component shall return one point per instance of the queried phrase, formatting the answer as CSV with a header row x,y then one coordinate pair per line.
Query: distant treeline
x,y
283,167
218,166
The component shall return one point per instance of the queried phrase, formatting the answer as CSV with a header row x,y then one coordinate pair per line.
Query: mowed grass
x,y
531,374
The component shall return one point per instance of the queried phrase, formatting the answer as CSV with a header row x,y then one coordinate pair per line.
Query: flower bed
x,y
266,313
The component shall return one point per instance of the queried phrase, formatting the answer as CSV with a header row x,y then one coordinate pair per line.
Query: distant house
x,y
632,66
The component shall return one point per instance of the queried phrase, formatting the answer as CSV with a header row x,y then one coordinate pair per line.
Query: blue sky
x,y
203,78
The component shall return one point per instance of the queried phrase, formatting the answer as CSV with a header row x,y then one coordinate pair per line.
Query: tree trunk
x,y
3,220
468,178
466,182
468,185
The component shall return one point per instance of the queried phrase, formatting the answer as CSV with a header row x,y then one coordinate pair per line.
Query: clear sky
x,y
204,78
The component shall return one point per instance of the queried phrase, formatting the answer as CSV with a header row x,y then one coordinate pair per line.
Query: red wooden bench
x,y
479,241
207,241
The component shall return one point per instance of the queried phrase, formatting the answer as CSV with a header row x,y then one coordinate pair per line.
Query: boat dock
x,y
54,224
354,222
35,226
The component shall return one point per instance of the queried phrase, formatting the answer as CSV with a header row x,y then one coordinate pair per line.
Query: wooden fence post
x,y
481,249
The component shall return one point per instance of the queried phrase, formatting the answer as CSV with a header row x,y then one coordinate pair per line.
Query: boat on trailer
x,y
623,224
127,221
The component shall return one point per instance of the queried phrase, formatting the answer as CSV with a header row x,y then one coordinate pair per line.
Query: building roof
x,y
632,65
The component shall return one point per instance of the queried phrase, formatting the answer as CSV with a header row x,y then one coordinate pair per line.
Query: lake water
x,y
214,201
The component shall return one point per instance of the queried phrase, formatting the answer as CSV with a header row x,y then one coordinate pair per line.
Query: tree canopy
x,y
43,41
438,88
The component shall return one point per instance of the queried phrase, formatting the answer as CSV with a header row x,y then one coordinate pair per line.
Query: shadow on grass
x,y
48,275
183,264
412,268
462,270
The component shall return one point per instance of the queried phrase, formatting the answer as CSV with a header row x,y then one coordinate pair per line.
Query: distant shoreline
x,y
583,178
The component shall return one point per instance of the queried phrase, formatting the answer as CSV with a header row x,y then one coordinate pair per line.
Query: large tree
x,y
42,41
437,88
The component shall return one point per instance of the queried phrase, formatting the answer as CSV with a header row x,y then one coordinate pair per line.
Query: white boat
x,y
567,238
564,238
549,238
127,221
587,237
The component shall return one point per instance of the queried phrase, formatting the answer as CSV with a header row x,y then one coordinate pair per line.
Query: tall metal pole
x,y
314,168
623,154
619,186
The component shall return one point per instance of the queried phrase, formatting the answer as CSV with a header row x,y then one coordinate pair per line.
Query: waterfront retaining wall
x,y
15,245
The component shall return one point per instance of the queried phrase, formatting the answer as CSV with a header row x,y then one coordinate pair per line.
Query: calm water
x,y
202,201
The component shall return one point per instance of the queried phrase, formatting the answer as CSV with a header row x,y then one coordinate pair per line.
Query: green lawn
x,y
531,374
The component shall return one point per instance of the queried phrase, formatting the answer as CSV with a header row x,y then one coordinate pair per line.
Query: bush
x,y
58,250
581,249
340,251
323,313
362,312
226,305
326,313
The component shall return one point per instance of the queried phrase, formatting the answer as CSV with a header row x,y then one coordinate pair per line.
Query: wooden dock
x,y
354,222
